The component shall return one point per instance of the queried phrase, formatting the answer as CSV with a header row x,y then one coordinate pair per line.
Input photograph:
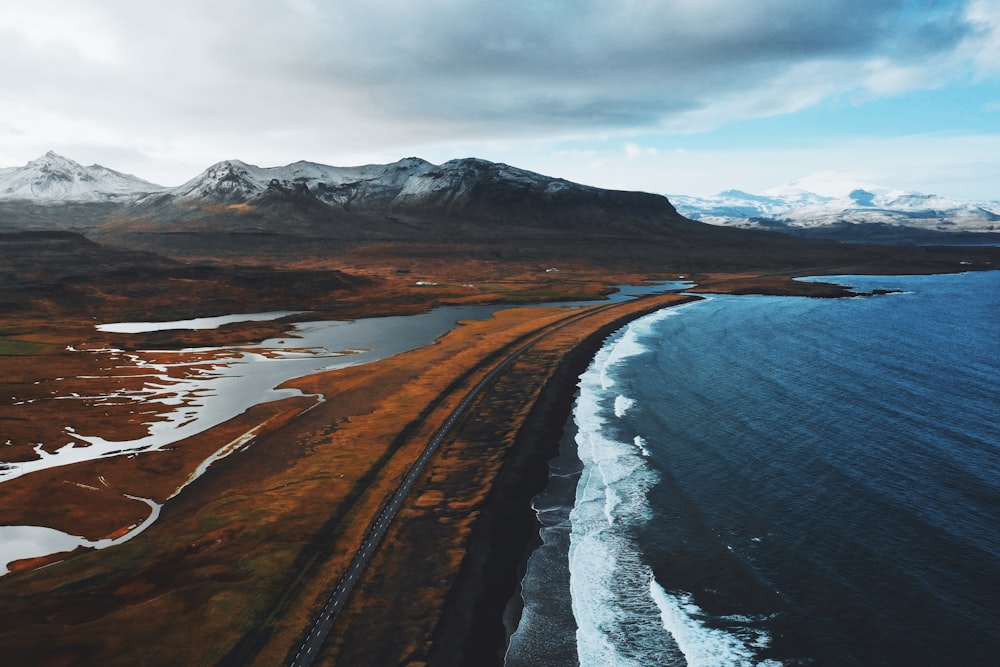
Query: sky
x,y
672,96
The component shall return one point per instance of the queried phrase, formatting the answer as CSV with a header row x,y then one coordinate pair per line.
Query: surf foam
x,y
610,603
704,646
624,617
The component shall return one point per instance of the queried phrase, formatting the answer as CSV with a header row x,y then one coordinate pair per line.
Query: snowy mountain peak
x,y
412,163
53,178
740,195
792,207
793,192
52,160
229,180
407,181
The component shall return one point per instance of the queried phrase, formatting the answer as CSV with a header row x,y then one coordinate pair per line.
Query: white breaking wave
x,y
701,645
627,344
610,502
622,405
641,445
624,618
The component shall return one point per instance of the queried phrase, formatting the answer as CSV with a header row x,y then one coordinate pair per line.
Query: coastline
x,y
484,605
264,524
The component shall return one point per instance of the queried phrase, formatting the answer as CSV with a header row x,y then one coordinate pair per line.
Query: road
x,y
313,642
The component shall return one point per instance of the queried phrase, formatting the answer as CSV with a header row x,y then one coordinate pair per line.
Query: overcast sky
x,y
670,96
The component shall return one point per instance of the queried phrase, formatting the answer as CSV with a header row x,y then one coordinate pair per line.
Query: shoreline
x,y
483,606
812,626
248,529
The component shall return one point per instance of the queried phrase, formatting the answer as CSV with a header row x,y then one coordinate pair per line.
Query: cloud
x,y
962,166
983,46
268,80
634,151
517,66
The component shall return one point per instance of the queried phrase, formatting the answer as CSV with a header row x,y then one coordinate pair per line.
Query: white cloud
x,y
168,86
73,31
983,46
634,151
962,166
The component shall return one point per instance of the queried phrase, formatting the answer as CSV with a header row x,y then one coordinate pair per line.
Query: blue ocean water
x,y
780,481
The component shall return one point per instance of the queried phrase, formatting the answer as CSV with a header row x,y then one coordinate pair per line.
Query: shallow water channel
x,y
205,387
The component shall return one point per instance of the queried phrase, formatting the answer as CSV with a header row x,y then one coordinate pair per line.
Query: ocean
x,y
753,480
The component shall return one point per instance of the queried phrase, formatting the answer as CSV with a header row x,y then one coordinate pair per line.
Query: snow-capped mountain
x,y
791,208
410,181
233,204
486,189
398,200
237,181
53,178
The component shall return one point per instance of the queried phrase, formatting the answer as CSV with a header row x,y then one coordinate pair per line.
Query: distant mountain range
x,y
861,214
232,207
469,185
63,218
406,184
413,198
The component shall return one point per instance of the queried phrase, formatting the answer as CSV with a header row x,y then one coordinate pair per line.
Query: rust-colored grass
x,y
426,548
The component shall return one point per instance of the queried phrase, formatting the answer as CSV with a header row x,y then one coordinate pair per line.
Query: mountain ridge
x,y
414,200
234,208
410,200
790,208
412,181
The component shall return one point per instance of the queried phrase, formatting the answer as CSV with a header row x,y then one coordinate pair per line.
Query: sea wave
x,y
622,405
623,616
705,646
612,625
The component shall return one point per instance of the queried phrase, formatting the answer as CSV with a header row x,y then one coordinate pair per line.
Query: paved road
x,y
311,646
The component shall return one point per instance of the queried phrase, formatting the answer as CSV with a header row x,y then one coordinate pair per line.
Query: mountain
x,y
410,215
390,200
236,181
53,178
468,187
862,214
408,200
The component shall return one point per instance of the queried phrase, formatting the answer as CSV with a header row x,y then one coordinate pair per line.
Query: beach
x,y
760,480
482,606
